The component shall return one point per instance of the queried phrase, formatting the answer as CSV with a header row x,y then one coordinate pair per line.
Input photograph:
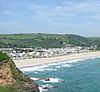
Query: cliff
x,y
12,79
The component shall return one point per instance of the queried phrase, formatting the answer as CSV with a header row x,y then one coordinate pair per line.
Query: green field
x,y
41,40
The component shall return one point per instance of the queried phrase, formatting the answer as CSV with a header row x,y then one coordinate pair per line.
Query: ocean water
x,y
82,75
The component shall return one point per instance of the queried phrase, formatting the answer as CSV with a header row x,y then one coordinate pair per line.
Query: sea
x,y
81,75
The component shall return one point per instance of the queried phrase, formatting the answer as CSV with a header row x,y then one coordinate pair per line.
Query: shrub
x,y
3,56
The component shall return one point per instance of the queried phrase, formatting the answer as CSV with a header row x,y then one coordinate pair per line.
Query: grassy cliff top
x,y
3,56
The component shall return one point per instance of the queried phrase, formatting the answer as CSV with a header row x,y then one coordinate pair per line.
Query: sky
x,y
81,17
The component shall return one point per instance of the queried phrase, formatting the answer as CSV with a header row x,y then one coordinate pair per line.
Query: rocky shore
x,y
12,79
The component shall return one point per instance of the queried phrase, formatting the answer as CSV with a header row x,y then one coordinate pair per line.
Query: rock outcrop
x,y
12,77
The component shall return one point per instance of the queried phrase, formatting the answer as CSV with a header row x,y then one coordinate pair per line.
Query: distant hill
x,y
95,41
11,79
41,40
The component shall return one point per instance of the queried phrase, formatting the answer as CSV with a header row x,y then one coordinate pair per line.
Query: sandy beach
x,y
41,61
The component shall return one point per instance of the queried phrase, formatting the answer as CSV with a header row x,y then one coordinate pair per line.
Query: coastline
x,y
42,61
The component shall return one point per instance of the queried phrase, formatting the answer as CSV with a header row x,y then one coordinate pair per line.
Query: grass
x,y
36,40
3,56
2,89
8,89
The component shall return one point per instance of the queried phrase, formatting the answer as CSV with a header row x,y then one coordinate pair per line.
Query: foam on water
x,y
42,69
35,72
53,66
66,65
46,87
34,78
42,90
50,69
58,66
52,80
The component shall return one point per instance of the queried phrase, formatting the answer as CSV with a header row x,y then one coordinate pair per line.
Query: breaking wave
x,y
53,66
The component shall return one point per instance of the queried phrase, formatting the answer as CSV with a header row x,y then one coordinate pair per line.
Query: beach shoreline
x,y
42,61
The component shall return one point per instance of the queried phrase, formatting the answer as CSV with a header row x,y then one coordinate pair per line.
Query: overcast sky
x,y
50,16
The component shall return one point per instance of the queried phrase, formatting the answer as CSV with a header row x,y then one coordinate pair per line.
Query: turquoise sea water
x,y
81,75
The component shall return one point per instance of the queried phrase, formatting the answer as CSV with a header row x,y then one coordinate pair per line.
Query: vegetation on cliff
x,y
3,56
11,79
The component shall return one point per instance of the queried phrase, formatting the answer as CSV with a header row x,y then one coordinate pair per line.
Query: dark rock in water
x,y
46,79
45,88
12,77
